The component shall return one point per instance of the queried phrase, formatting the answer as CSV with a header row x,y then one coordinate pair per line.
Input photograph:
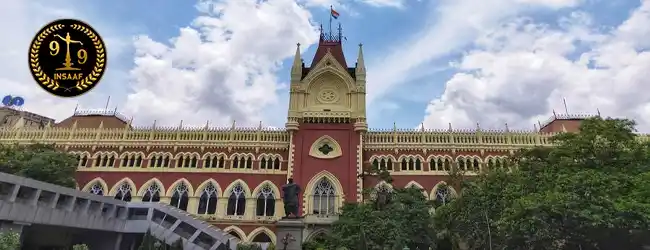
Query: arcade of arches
x,y
237,202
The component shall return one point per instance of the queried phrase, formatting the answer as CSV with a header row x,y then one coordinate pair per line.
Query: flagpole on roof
x,y
331,15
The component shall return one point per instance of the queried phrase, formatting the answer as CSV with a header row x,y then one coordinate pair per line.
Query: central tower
x,y
326,119
328,91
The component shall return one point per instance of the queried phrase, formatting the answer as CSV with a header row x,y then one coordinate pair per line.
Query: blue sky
x,y
462,62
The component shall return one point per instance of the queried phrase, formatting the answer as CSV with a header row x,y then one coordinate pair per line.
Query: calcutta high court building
x,y
231,177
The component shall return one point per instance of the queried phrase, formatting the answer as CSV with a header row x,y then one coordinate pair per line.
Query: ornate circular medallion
x,y
328,96
67,58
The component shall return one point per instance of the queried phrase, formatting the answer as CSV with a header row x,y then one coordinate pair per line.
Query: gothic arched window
x,y
262,238
208,200
476,165
236,201
443,194
124,192
180,197
234,234
265,202
324,198
96,189
152,194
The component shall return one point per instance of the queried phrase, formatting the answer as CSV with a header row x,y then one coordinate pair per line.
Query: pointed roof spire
x,y
296,69
330,43
361,65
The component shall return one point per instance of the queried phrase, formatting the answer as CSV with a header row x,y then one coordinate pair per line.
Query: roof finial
x,y
296,68
340,33
598,110
554,114
361,65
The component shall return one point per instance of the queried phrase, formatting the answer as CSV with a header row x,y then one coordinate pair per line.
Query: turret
x,y
296,68
360,70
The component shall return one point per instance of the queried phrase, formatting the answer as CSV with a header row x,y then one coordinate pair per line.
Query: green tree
x,y
9,241
588,191
80,247
148,242
177,245
388,220
246,246
40,162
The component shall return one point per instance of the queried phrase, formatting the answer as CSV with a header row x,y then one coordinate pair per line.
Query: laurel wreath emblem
x,y
82,84
34,58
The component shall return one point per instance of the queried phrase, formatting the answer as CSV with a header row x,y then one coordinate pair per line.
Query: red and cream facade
x,y
324,146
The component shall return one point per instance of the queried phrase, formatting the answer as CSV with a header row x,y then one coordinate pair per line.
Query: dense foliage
x,y
80,247
591,190
391,219
9,240
40,162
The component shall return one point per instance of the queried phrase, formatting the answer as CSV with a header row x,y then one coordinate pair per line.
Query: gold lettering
x,y
68,76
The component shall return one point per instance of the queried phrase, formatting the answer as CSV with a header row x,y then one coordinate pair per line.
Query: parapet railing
x,y
267,137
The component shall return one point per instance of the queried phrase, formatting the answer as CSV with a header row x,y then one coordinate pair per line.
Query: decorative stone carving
x,y
325,147
328,96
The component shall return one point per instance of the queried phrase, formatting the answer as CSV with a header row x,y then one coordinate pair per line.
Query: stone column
x,y
192,204
222,205
165,200
251,204
279,208
118,241
289,232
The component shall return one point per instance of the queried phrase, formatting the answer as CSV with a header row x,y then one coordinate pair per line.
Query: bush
x,y
9,240
80,247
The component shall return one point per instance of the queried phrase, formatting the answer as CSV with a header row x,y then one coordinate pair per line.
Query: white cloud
x,y
223,67
385,3
22,19
453,24
523,70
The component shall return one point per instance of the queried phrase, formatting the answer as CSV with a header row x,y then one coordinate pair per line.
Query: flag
x,y
335,14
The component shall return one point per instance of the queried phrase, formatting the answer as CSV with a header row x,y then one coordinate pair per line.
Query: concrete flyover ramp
x,y
47,215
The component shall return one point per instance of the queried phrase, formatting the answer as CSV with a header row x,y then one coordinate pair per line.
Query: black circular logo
x,y
67,58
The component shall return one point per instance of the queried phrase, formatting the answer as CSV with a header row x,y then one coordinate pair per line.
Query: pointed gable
x,y
333,46
330,43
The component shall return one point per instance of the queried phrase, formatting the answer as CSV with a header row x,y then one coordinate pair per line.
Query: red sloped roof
x,y
335,47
